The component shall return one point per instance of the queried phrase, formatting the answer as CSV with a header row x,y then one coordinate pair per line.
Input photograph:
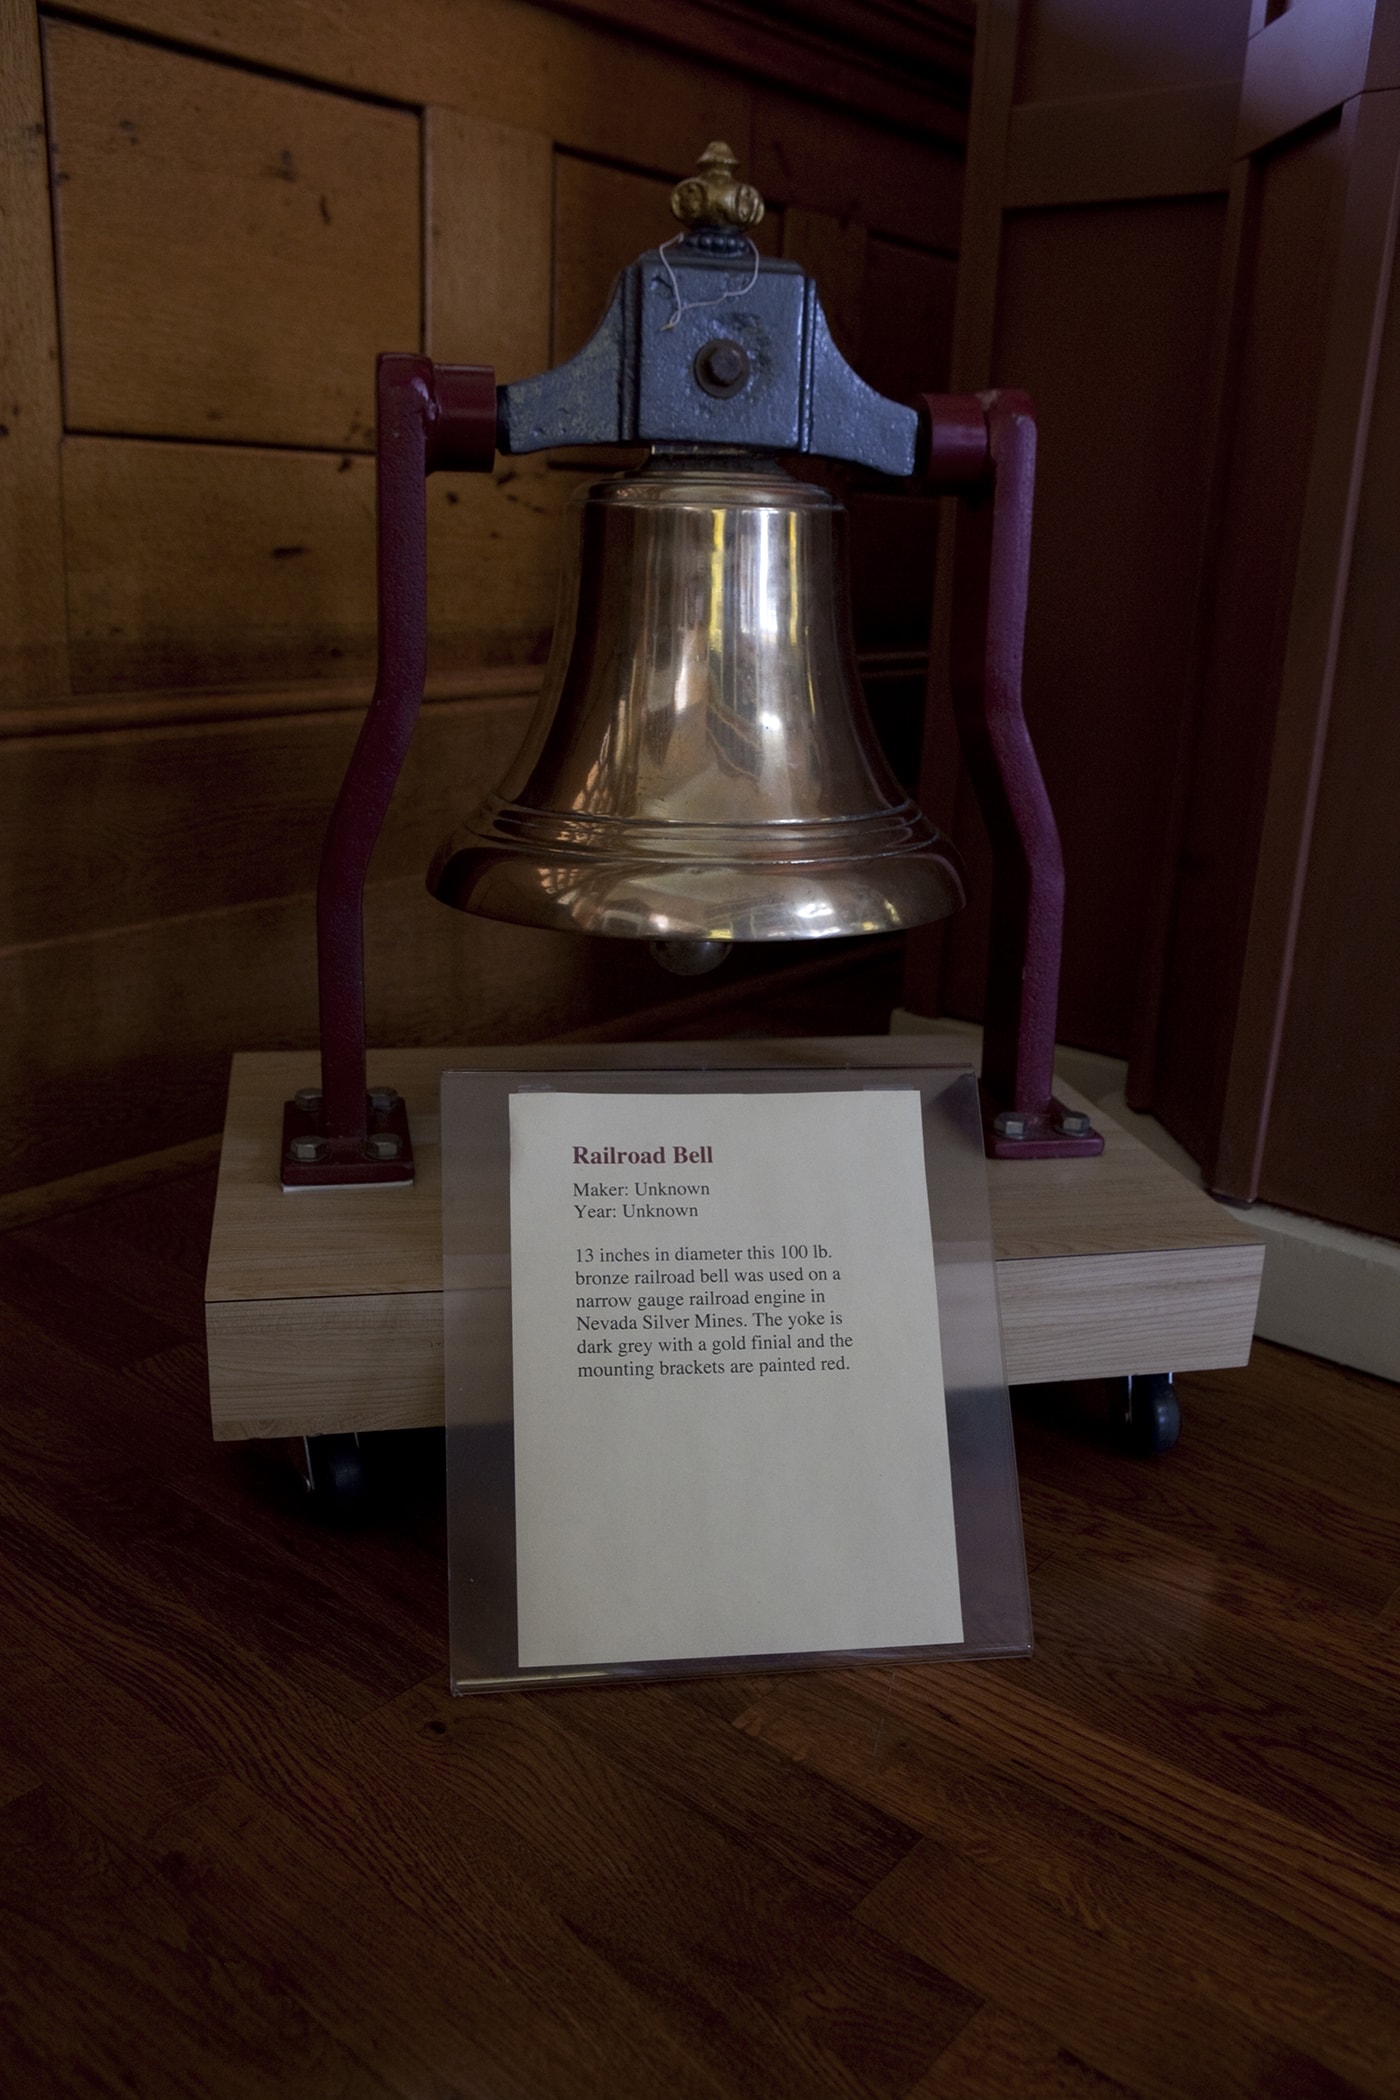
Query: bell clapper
x,y
690,958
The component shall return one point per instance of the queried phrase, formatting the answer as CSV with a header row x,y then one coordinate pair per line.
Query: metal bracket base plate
x,y
346,1163
1040,1135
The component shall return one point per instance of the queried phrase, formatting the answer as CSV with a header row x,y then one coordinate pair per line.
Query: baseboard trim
x,y
1330,1291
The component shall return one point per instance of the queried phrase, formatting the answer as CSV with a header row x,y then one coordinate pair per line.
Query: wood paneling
x,y
494,549
490,198
174,708
138,1021
1211,566
210,564
834,251
1287,262
1104,312
894,541
603,219
832,162
205,564
114,829
1160,142
890,305
586,87
979,248
1102,319
233,250
1118,47
1325,600
1330,1147
906,342
1304,60
910,69
33,616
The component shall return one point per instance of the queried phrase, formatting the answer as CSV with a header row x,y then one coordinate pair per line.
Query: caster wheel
x,y
1146,1415
337,1480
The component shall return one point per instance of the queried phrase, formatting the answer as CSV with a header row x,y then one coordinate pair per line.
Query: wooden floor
x,y
250,1846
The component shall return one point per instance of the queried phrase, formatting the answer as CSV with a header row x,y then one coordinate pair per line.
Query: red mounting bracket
x,y
429,417
981,447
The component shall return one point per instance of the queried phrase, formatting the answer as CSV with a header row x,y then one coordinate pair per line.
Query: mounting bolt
x,y
1074,1123
1009,1125
308,1151
384,1099
722,367
384,1145
308,1100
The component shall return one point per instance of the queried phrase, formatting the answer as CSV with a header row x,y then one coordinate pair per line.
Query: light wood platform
x,y
323,1308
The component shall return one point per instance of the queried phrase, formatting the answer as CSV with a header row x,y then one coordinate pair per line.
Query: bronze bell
x,y
702,767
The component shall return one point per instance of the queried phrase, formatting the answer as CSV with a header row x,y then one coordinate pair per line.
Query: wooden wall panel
x,y
1356,287
587,87
1115,47
493,563
1331,1146
212,564
834,163
603,219
1160,142
116,827
1314,57
907,68
209,565
891,310
140,1021
490,208
1094,239
1287,264
33,616
894,549
835,252
1102,321
233,250
1266,1032
907,297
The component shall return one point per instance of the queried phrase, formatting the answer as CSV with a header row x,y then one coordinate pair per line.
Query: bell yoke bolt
x,y
383,1099
722,367
384,1145
306,1151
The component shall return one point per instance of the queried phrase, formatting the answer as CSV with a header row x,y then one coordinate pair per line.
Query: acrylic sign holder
x,y
477,1313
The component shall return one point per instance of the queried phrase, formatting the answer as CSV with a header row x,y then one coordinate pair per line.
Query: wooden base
x,y
324,1308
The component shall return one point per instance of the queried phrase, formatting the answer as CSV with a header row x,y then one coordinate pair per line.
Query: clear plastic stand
x,y
477,1313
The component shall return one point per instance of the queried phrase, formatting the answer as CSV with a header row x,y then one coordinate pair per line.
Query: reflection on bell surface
x,y
702,766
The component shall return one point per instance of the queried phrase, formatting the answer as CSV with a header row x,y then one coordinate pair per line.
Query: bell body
x,y
702,765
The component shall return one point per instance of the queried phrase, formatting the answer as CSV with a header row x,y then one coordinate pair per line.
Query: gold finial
x,y
713,197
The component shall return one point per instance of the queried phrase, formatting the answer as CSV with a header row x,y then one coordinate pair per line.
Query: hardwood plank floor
x,y
249,1845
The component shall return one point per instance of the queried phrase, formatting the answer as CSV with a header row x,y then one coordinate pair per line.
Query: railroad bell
x,y
701,768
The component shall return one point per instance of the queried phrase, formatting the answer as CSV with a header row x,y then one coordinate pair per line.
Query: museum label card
x,y
730,1433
